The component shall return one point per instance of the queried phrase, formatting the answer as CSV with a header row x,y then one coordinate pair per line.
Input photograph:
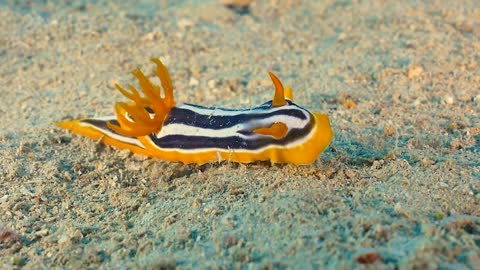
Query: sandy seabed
x,y
399,187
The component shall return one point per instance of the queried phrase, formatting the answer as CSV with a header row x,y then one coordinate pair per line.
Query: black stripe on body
x,y
232,142
191,118
101,126
189,142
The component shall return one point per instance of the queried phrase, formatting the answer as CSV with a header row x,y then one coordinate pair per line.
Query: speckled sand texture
x,y
399,188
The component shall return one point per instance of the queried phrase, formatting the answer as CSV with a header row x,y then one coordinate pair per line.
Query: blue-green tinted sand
x,y
397,189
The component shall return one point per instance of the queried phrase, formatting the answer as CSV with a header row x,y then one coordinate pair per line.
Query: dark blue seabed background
x,y
397,189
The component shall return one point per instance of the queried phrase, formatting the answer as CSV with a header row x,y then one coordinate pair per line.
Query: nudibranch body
x,y
278,130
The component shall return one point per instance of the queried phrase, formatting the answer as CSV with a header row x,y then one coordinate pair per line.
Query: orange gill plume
x,y
133,118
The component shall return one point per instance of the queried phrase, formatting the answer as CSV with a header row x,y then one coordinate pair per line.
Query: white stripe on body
x,y
182,129
256,151
111,134
223,112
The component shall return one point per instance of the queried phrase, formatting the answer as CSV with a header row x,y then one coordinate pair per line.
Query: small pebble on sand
x,y
414,72
448,99
237,3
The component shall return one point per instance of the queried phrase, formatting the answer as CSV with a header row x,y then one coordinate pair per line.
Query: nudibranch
x,y
154,125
